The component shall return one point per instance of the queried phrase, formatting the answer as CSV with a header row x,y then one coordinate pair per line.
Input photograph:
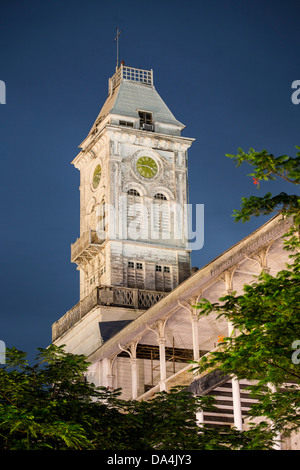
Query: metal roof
x,y
128,94
133,96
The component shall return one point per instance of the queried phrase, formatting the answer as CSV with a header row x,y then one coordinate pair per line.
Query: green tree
x,y
167,423
266,315
267,167
50,406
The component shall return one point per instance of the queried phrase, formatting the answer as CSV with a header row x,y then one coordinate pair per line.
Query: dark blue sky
x,y
224,68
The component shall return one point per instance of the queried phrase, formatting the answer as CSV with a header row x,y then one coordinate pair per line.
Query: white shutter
x,y
163,279
165,220
131,277
160,219
135,275
134,218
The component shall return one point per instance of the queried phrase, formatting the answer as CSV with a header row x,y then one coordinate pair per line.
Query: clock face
x,y
147,167
96,176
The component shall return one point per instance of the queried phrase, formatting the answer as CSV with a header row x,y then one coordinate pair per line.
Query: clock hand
x,y
147,166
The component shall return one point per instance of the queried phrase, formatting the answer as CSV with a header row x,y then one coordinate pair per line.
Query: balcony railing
x,y
182,378
106,295
87,245
130,74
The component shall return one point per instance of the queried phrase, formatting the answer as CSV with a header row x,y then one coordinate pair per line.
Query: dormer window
x,y
146,121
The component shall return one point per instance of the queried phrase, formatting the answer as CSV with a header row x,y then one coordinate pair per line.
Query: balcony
x,y
87,246
106,295
130,74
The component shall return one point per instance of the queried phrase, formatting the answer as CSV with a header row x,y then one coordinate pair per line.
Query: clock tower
x,y
133,244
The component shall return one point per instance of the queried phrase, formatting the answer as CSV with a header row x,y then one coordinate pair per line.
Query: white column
x,y
194,319
236,395
162,362
105,372
277,440
195,335
131,351
237,407
110,381
134,377
199,417
159,330
109,372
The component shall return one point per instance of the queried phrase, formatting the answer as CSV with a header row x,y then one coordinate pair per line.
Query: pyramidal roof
x,y
132,90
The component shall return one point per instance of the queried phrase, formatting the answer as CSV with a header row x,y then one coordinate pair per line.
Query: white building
x,y
135,321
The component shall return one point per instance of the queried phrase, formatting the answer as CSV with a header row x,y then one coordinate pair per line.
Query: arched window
x,y
135,215
160,197
101,223
133,192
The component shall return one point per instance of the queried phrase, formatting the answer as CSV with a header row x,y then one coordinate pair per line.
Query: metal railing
x,y
182,378
106,295
130,74
137,75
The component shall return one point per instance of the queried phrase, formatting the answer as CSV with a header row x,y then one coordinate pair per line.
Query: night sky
x,y
224,68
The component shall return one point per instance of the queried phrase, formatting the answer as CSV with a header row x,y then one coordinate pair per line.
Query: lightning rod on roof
x,y
117,39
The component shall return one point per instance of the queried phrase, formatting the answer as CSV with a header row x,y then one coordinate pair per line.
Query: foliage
x,y
50,406
265,316
266,167
167,422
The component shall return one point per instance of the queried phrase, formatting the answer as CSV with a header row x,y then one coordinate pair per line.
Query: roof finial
x,y
117,39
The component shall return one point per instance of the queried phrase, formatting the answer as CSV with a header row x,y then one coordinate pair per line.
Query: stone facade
x,y
130,223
